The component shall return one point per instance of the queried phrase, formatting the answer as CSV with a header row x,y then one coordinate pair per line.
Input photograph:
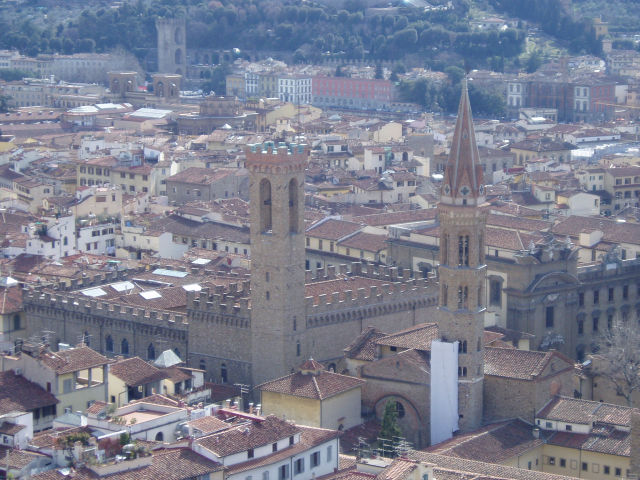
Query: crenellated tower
x,y
462,270
277,258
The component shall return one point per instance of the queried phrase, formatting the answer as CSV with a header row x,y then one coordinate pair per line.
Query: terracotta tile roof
x,y
364,346
135,371
365,241
72,360
602,439
495,443
249,435
168,464
333,229
309,438
209,424
613,231
96,408
311,364
10,300
418,337
17,459
176,374
477,469
47,438
10,428
381,219
518,364
201,176
574,410
323,385
18,393
399,469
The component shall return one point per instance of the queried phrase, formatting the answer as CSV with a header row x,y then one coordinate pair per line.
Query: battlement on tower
x,y
338,294
281,156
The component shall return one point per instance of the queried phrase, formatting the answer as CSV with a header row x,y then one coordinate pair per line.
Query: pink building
x,y
356,93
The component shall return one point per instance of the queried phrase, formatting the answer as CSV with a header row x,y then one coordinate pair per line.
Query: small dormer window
x,y
291,440
250,453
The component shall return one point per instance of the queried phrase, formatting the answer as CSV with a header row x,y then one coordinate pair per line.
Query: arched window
x,y
108,344
293,206
400,409
178,56
159,437
151,352
65,241
298,348
160,89
124,347
223,373
203,364
462,347
463,250
86,339
265,206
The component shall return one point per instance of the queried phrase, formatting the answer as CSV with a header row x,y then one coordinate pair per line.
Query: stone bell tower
x,y
276,175
462,271
172,45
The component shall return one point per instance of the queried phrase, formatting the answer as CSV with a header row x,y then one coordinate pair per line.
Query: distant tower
x,y
172,45
276,175
462,269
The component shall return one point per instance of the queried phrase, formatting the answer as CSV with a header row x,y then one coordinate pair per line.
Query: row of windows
x,y
97,171
124,346
298,465
584,466
611,295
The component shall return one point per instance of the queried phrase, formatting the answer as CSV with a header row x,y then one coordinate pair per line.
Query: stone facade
x,y
245,330
462,270
172,45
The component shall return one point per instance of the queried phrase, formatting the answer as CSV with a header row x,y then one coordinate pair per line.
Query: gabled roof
x,y
72,360
418,337
135,371
318,387
495,443
575,410
247,436
520,364
364,346
18,393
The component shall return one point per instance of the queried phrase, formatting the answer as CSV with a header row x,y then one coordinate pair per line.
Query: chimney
x,y
635,443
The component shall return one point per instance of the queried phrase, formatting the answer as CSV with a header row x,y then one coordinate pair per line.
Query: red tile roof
x,y
318,387
18,393
17,459
167,464
72,360
365,345
574,410
495,443
135,371
418,337
249,435
209,424
519,364
365,241
333,229
10,300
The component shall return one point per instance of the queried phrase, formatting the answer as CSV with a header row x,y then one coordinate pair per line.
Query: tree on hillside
x,y
618,358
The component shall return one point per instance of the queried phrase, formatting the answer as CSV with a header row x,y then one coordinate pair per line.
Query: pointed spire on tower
x,y
463,177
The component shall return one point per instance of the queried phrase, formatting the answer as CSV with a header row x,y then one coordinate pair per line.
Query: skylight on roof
x,y
150,294
201,261
170,273
94,292
122,286
193,287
